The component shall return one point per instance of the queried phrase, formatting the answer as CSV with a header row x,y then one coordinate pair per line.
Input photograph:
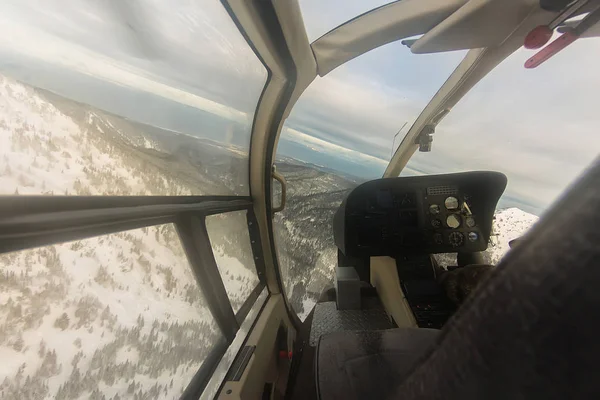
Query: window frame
x,y
28,222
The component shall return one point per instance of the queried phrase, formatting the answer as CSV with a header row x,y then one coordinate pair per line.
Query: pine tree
x,y
19,343
62,322
42,349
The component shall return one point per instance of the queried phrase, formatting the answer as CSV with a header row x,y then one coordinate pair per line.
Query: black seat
x,y
530,332
360,365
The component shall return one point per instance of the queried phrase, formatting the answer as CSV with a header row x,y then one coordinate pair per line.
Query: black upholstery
x,y
530,332
359,365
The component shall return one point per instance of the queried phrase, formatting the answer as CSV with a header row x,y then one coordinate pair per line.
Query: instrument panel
x,y
423,214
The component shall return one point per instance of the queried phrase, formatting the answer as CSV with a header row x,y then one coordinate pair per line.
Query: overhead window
x,y
115,316
322,16
125,98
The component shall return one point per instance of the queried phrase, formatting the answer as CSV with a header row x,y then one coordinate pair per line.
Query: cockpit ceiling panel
x,y
446,25
479,23
383,25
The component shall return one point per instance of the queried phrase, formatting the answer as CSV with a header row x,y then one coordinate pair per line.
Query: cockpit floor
x,y
328,319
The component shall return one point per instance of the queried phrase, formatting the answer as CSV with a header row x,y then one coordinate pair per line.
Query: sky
x,y
538,127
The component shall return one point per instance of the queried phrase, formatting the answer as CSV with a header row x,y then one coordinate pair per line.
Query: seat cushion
x,y
368,364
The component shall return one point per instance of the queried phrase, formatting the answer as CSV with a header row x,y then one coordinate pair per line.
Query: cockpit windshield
x,y
349,119
339,134
536,126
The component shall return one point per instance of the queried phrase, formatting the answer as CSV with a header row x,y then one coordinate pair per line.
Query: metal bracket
x,y
255,243
279,178
425,138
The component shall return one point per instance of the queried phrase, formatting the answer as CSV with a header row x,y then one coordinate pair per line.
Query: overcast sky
x,y
539,127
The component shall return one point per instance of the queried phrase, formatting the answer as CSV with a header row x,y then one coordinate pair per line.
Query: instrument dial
x,y
453,221
436,223
451,203
470,222
473,236
456,239
434,209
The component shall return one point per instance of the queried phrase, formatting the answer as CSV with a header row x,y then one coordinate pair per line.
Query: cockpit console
x,y
419,215
409,218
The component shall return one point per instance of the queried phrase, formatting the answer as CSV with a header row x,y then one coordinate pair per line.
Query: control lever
x,y
569,36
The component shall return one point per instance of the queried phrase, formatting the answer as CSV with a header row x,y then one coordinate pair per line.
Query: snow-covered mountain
x,y
509,224
121,315
116,316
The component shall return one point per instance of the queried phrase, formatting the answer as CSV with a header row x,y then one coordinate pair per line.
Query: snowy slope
x,y
45,151
509,224
107,317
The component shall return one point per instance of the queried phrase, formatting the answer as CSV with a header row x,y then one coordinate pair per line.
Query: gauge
x,y
456,239
473,236
436,223
438,239
451,203
470,222
453,221
434,209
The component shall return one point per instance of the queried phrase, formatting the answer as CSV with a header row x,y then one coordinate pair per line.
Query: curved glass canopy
x,y
176,79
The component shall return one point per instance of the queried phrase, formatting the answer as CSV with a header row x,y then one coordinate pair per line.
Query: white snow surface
x,y
509,224
107,317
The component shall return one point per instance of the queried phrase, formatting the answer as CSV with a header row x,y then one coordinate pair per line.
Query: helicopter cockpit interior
x,y
184,215
408,219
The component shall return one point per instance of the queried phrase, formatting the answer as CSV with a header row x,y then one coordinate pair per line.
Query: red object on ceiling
x,y
538,37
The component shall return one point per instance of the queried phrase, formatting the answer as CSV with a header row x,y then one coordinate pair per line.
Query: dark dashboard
x,y
422,214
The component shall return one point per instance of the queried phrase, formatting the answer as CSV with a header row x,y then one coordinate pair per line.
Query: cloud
x,y
183,51
362,104
537,126
322,146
